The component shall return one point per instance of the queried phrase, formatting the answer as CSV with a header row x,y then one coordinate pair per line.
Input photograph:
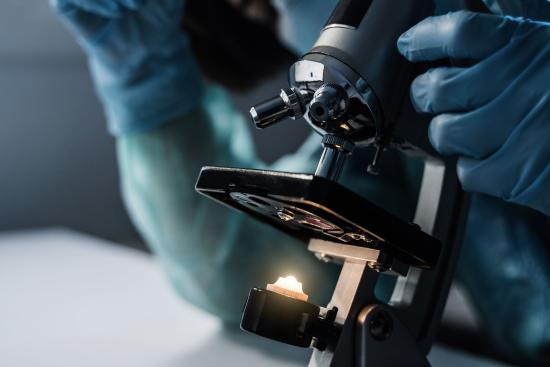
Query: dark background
x,y
57,162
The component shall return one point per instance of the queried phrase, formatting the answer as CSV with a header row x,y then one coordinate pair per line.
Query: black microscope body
x,y
352,88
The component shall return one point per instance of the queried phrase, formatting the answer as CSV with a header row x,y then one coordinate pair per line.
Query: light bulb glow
x,y
290,283
288,286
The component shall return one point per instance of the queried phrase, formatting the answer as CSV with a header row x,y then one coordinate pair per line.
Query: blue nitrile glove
x,y
505,267
140,61
495,114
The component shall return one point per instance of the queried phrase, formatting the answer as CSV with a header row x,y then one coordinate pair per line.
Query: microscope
x,y
352,89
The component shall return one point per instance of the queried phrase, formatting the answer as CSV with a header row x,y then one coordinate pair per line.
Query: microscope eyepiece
x,y
289,103
269,112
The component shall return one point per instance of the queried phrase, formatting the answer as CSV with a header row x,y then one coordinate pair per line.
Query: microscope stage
x,y
307,206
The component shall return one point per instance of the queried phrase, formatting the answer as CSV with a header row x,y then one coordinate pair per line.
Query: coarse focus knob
x,y
289,103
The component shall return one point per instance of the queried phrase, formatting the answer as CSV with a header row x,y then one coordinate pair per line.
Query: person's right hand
x,y
140,59
495,114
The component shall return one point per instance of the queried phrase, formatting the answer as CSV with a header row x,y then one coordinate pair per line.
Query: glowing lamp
x,y
288,286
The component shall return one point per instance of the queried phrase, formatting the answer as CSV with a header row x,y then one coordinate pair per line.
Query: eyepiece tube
x,y
289,103
269,112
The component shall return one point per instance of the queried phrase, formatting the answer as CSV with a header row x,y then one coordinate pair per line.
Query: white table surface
x,y
68,299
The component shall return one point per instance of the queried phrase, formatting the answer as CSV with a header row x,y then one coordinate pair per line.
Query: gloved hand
x,y
140,61
495,114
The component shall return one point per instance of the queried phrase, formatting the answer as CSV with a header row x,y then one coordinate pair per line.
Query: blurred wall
x,y
57,163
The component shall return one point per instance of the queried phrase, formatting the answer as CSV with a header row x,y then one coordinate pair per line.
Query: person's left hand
x,y
495,115
140,60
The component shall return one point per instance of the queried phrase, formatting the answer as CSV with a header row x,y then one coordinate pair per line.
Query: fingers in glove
x,y
503,105
103,8
464,134
519,170
475,134
451,89
458,35
132,4
88,27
